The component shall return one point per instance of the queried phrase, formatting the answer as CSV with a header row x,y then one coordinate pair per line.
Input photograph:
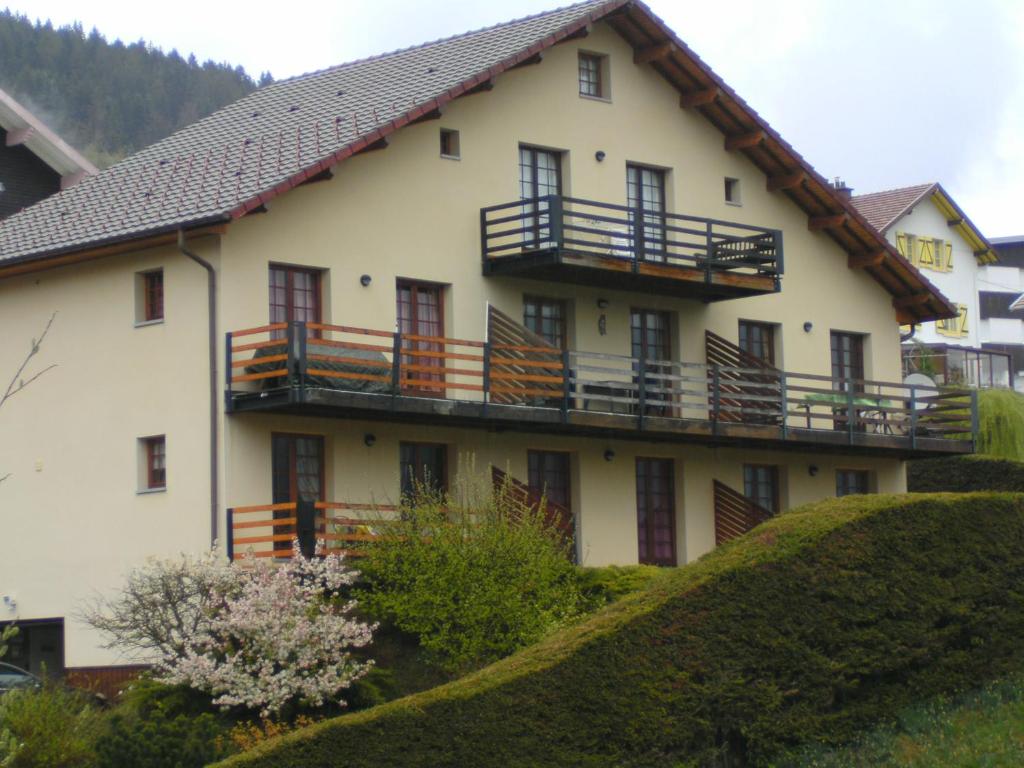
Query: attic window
x,y
450,144
732,191
593,71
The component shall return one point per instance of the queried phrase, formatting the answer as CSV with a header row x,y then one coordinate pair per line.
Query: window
x,y
450,144
294,296
593,75
540,175
149,297
926,252
761,485
732,191
420,312
546,318
297,474
847,357
650,334
154,456
645,194
852,481
758,340
423,465
656,511
954,326
548,475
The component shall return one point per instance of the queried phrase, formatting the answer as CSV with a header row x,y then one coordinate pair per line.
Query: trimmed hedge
x,y
963,474
811,627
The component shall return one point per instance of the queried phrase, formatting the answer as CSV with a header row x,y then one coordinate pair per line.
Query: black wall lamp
x,y
812,470
807,326
602,303
599,155
369,439
365,280
609,454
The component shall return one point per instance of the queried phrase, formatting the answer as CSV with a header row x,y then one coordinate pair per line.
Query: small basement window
x,y
149,297
450,144
593,70
732,191
152,463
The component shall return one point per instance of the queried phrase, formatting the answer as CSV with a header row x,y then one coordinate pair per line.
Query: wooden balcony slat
x,y
260,376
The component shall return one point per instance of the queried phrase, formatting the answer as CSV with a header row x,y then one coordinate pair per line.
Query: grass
x,y
984,728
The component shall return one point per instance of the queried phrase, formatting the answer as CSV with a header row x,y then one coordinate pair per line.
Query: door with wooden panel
x,y
294,296
420,311
656,511
297,467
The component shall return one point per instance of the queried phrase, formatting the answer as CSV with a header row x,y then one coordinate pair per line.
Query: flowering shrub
x,y
253,633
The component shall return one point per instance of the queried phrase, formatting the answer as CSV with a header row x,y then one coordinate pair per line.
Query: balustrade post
x,y
302,357
305,527
783,404
709,251
231,534
639,239
851,415
487,375
396,363
975,422
555,221
566,384
716,397
229,370
641,368
913,416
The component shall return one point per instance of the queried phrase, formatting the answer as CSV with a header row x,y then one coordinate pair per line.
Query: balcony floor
x,y
339,403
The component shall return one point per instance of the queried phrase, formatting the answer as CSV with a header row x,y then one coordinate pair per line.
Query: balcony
x,y
348,372
565,239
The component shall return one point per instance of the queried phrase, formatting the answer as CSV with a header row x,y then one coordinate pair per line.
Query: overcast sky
x,y
885,93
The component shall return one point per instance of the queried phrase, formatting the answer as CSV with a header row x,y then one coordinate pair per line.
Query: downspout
x,y
211,288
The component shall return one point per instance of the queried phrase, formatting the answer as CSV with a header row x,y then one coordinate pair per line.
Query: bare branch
x,y
17,383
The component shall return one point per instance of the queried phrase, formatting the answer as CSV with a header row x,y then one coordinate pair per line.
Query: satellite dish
x,y
919,380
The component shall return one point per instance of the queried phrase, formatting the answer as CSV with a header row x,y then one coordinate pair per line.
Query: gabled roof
x,y
242,156
23,127
884,209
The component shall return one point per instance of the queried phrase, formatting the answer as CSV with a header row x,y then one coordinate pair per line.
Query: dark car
x,y
12,677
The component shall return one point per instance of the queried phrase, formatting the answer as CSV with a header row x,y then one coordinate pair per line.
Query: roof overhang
x,y
24,128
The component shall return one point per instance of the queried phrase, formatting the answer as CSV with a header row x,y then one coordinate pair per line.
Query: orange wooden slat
x,y
351,345
264,539
260,329
440,386
511,361
348,329
286,505
259,361
258,376
350,360
442,340
235,348
269,523
438,355
526,392
533,377
443,371
346,375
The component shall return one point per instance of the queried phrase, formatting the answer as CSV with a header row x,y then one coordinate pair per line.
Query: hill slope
x,y
818,623
109,99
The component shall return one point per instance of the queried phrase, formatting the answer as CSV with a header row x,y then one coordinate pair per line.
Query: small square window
x,y
450,144
593,70
149,297
154,463
732,191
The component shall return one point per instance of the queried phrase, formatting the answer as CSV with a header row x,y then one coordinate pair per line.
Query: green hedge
x,y
963,474
813,626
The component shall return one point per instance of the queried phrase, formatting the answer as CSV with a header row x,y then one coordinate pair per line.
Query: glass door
x,y
297,467
656,511
540,175
420,314
645,196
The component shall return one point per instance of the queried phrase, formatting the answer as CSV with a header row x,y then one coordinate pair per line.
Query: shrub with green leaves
x,y
964,474
473,576
815,625
48,727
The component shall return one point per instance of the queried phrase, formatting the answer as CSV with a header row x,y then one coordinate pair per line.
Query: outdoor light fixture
x,y
369,440
609,454
599,155
812,470
365,280
807,326
602,303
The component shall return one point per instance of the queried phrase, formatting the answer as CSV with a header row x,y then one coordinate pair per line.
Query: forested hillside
x,y
109,99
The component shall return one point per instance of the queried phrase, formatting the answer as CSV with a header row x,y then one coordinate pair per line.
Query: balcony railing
x,y
319,366
586,238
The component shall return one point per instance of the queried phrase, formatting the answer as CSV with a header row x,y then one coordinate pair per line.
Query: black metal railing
x,y
637,236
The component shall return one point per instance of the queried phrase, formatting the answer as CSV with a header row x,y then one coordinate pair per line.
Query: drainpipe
x,y
211,288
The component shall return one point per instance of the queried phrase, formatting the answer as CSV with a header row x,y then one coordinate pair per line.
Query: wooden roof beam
x,y
535,59
700,98
913,300
954,222
581,32
434,114
653,53
786,181
866,260
743,140
831,221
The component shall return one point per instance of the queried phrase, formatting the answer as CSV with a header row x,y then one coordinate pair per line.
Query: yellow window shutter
x,y
926,253
901,245
949,257
962,320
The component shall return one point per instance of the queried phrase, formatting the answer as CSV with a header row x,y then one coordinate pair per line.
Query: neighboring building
x,y
932,232
1000,287
576,229
34,161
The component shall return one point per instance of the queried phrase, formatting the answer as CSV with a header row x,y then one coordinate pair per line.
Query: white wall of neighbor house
x,y
72,517
604,491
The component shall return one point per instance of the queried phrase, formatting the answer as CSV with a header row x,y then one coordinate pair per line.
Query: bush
x,y
49,727
1001,423
161,740
963,474
811,627
473,578
601,586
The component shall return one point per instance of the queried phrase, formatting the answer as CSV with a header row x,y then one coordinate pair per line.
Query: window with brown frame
x,y
423,466
548,475
847,358
420,312
761,485
852,481
153,295
758,340
592,77
156,462
547,319
294,296
656,511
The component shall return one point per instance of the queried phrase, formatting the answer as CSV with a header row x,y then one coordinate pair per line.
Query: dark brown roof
x,y
234,161
881,209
